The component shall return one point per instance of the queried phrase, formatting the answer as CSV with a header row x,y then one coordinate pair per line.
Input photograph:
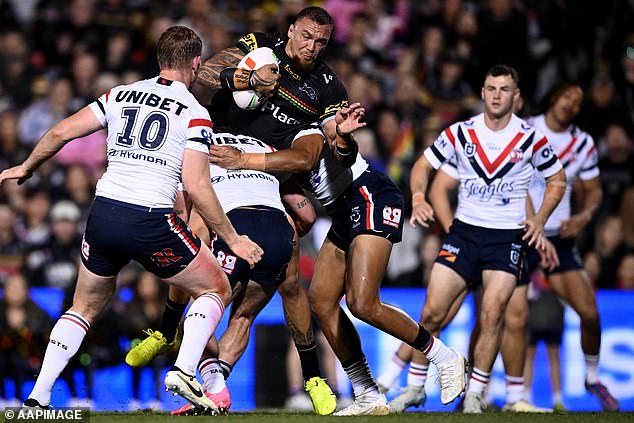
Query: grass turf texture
x,y
285,417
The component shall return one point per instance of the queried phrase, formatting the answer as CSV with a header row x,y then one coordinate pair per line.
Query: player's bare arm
x,y
82,123
301,157
220,71
422,212
555,188
297,206
439,191
548,255
197,181
593,194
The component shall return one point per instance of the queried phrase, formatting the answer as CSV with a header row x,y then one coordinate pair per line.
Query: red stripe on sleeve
x,y
107,95
200,122
591,150
540,144
449,135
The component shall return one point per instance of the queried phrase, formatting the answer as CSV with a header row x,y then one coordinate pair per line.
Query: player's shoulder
x,y
252,40
582,135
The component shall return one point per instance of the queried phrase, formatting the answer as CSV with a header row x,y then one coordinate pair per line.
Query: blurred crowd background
x,y
416,65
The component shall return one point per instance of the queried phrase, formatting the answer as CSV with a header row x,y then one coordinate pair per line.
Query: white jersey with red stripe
x,y
243,188
329,179
578,154
150,123
495,168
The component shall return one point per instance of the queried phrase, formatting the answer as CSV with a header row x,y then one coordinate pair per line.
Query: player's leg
x,y
498,287
205,281
163,339
401,358
552,350
574,287
326,290
513,349
92,293
445,292
367,261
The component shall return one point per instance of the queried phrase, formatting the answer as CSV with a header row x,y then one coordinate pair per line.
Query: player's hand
x,y
549,256
422,213
572,226
16,172
534,235
225,156
265,80
247,250
349,119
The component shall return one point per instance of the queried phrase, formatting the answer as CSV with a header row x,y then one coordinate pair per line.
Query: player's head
x,y
563,102
308,37
500,90
179,48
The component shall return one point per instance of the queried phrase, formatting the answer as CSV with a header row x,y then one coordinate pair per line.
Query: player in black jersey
x,y
305,90
365,205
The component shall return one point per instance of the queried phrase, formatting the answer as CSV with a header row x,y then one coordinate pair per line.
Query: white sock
x,y
65,340
437,352
360,376
592,368
213,378
478,381
200,323
417,374
392,372
514,389
557,398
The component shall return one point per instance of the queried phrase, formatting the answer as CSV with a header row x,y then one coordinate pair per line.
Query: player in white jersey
x,y
155,129
513,345
577,152
252,202
366,211
495,152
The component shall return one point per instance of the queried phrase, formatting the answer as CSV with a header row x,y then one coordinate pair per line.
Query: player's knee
x,y
289,288
361,309
590,316
491,318
516,318
432,317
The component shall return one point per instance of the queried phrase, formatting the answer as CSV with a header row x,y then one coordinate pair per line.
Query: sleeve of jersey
x,y
590,165
450,168
310,129
442,149
199,133
544,158
253,40
336,98
98,107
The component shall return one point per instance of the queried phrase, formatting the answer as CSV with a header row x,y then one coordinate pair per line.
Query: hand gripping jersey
x,y
494,168
150,123
578,155
302,98
328,179
240,188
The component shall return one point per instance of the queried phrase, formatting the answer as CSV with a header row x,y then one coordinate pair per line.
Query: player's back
x,y
242,187
149,123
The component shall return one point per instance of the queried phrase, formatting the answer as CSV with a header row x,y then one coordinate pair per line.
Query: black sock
x,y
171,319
422,339
360,375
226,368
309,360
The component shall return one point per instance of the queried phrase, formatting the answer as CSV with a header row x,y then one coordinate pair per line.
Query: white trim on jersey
x,y
369,211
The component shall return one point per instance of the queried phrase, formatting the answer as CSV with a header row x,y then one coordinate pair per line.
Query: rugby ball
x,y
250,99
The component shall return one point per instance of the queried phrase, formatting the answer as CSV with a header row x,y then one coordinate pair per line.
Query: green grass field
x,y
284,417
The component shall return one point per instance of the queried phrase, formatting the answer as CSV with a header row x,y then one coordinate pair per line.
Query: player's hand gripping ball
x,y
250,99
